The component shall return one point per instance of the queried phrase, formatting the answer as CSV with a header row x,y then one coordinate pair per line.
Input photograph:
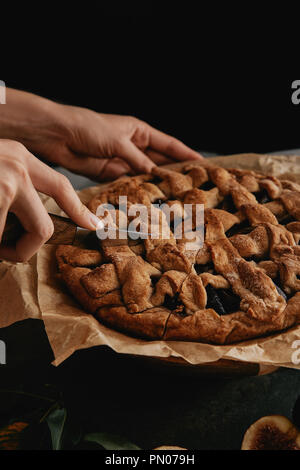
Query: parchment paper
x,y
31,290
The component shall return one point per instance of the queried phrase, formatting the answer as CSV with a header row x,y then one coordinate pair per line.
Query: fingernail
x,y
97,223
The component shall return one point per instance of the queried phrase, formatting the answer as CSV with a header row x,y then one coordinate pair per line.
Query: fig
x,y
169,448
272,433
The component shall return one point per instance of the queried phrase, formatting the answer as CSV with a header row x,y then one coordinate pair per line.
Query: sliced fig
x,y
169,448
272,433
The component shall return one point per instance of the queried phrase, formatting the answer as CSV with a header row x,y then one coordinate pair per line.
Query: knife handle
x,y
64,230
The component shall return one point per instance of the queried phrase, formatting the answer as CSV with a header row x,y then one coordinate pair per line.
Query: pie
x,y
242,282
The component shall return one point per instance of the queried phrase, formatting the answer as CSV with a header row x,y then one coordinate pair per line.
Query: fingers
x,y
35,220
138,161
22,175
158,158
171,147
98,169
112,169
56,185
127,158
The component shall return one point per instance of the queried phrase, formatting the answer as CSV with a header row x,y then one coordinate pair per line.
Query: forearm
x,y
29,119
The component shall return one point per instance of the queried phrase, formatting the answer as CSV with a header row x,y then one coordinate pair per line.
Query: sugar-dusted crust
x,y
110,310
207,325
157,289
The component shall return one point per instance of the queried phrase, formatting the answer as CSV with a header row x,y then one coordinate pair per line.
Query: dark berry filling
x,y
280,292
158,202
230,301
262,196
204,268
277,283
223,301
174,303
227,204
207,186
241,229
154,280
214,301
287,219
156,180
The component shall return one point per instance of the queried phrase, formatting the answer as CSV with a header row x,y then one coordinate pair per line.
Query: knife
x,y
66,232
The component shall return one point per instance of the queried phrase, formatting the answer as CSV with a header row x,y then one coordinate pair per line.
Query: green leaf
x,y
64,433
110,441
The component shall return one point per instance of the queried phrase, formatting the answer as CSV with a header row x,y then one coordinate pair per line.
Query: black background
x,y
164,68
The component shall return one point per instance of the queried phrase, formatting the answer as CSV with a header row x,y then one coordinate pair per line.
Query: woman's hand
x,y
100,146
104,146
21,176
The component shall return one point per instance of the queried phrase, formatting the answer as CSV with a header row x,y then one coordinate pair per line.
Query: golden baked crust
x,y
244,282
